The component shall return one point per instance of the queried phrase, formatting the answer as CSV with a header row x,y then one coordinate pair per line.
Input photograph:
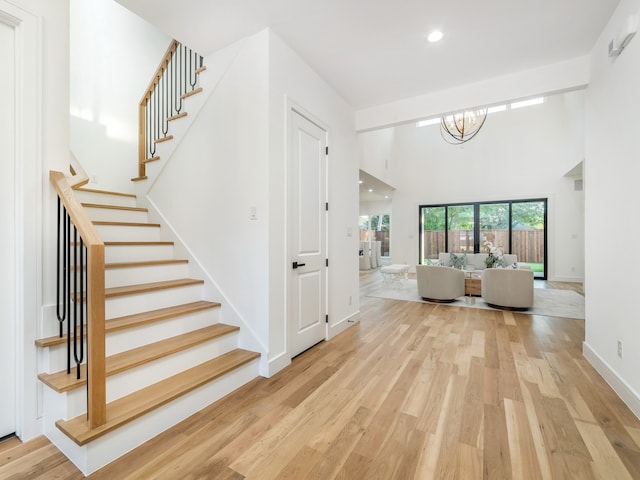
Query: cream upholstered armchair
x,y
508,288
439,284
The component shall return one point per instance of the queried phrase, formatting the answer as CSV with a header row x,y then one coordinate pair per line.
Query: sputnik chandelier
x,y
461,127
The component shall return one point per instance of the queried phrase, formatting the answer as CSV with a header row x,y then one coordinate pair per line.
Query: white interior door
x,y
308,234
7,237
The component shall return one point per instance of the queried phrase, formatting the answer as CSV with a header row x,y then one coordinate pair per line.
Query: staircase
x,y
167,354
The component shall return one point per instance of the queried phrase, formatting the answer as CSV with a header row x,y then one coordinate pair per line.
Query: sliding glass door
x,y
529,227
460,231
433,225
517,226
494,224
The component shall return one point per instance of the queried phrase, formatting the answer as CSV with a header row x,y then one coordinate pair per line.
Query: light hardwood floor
x,y
413,391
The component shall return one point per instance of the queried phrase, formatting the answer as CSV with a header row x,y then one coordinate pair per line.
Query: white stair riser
x,y
132,380
114,233
130,338
107,448
65,405
105,199
143,302
114,215
137,253
54,358
116,277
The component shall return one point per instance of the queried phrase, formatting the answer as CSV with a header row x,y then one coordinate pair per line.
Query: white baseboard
x,y
276,364
567,279
342,325
624,391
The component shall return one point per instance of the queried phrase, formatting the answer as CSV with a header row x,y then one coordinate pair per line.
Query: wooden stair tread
x,y
139,179
138,319
133,406
114,207
164,139
177,116
143,243
150,287
126,224
192,92
106,192
147,263
152,159
120,362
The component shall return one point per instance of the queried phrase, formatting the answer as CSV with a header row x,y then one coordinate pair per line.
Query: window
x,y
518,226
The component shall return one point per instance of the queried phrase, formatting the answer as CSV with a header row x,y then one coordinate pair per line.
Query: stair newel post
x,y
95,297
141,138
96,376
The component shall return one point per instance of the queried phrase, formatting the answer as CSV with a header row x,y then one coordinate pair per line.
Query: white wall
x,y
218,171
518,154
42,144
611,204
233,159
114,54
380,207
291,79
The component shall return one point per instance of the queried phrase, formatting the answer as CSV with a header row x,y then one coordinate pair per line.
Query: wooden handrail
x,y
175,79
96,378
173,46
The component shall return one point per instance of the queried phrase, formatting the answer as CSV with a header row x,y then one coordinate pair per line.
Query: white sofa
x,y
476,260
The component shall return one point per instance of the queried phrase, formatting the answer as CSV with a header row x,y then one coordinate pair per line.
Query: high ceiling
x,y
375,51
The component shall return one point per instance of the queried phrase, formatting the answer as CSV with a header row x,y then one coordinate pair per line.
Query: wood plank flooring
x,y
413,391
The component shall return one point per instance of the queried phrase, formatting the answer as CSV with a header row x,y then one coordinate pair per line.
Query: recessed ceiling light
x,y
360,182
370,190
435,36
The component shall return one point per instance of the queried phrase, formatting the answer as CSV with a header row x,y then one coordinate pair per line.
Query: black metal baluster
x,y
184,70
180,89
67,241
76,300
165,104
156,130
61,270
178,77
192,84
78,338
170,89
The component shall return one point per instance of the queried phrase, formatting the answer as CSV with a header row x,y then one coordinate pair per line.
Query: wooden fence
x,y
528,245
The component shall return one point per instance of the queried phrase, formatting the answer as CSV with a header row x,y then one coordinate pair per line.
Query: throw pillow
x,y
458,261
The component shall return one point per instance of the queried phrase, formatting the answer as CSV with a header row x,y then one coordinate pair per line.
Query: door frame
x,y
293,107
28,213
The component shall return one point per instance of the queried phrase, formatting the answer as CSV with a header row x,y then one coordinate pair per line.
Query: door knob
x,y
296,265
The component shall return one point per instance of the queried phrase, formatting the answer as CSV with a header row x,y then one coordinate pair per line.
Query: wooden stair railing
x,y
175,79
95,296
